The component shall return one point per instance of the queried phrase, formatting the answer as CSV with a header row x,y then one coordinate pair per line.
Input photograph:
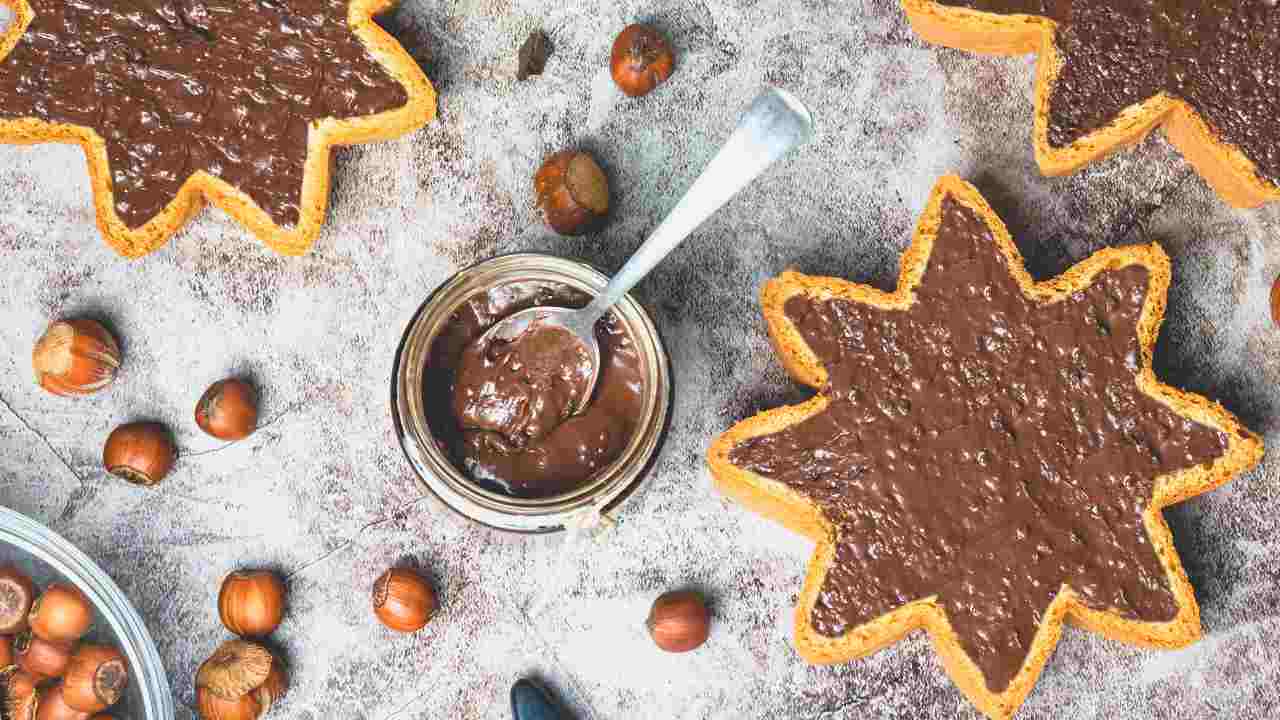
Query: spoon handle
x,y
775,123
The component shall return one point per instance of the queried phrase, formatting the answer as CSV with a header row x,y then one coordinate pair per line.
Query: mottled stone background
x,y
322,494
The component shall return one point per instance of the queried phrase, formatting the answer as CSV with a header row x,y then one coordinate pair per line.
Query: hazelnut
x,y
141,453
16,594
41,658
572,192
75,357
52,705
95,679
402,600
240,681
251,603
228,410
679,621
18,693
641,60
1275,301
61,614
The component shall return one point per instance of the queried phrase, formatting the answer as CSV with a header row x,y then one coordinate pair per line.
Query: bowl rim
x,y
147,667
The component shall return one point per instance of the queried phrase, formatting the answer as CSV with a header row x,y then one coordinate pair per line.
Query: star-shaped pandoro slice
x,y
290,232
1027,26
802,510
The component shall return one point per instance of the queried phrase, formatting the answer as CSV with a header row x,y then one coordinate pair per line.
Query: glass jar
x,y
584,505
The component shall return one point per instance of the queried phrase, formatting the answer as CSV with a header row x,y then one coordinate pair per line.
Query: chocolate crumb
x,y
533,55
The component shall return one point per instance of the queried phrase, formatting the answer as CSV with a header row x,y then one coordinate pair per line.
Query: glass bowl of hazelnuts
x,y
72,647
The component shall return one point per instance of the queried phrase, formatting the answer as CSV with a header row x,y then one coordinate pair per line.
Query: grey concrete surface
x,y
322,494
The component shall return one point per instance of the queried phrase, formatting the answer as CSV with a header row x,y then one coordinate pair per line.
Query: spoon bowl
x,y
775,123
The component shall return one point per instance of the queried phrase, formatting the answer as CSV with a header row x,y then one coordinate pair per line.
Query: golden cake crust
x,y
786,506
1227,170
202,187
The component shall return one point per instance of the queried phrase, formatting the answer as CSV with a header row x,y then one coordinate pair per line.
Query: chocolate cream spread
x,y
1221,56
174,87
985,449
502,409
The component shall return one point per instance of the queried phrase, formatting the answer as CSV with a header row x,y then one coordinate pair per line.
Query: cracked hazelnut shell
x,y
95,679
679,621
240,681
641,60
75,357
41,658
403,600
228,410
61,614
572,192
141,453
251,603
16,595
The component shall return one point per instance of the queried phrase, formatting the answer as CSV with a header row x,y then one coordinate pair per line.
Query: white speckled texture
x,y
322,494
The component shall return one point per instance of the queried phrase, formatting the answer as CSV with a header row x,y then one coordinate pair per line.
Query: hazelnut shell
x,y
640,60
572,192
95,679
251,603
61,614
403,600
142,453
228,410
679,621
235,669
41,658
16,595
75,357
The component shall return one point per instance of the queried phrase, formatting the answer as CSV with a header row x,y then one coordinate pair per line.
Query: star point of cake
x,y
237,104
1110,71
986,457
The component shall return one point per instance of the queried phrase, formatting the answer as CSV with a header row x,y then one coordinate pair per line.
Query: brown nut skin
x,y
228,410
679,621
95,679
1275,302
403,600
251,603
53,706
16,595
75,357
40,658
572,192
142,453
61,614
641,60
18,693
240,680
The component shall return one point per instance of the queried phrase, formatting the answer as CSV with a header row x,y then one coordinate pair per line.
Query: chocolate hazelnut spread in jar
x,y
491,429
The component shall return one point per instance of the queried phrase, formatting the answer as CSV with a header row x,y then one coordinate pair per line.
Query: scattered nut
x,y
52,705
532,59
679,621
61,614
240,681
16,594
75,357
1275,301
228,410
402,600
141,453
40,658
95,679
641,60
251,603
572,192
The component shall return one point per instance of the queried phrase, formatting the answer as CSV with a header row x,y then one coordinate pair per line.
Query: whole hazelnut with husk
x,y
228,410
403,600
61,614
142,453
95,679
641,60
572,192
75,357
16,595
42,658
240,681
679,621
18,693
53,706
251,603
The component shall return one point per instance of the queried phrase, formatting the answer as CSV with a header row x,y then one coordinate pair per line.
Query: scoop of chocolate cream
x,y
521,388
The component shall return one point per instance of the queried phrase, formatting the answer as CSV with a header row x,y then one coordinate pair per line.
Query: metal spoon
x,y
775,123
